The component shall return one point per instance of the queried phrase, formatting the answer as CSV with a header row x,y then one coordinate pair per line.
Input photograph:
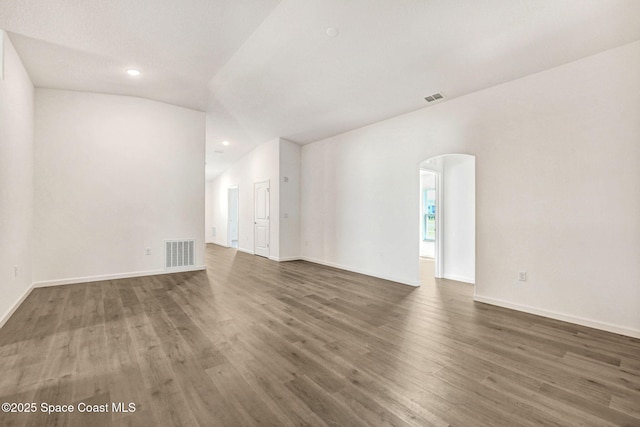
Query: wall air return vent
x,y
179,253
435,97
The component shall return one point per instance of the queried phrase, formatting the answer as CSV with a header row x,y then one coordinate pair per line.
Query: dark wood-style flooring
x,y
252,342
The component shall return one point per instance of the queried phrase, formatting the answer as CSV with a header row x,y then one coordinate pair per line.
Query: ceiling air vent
x,y
435,97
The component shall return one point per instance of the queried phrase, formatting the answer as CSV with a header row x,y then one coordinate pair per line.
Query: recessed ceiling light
x,y
225,142
133,72
332,31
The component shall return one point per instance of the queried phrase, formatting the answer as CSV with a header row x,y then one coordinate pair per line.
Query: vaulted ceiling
x,y
267,68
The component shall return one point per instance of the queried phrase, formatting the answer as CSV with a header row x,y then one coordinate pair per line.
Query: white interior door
x,y
261,218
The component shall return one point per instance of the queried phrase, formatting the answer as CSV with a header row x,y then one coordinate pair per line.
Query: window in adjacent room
x,y
429,214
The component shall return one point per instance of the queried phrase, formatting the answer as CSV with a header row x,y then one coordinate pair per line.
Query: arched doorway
x,y
447,218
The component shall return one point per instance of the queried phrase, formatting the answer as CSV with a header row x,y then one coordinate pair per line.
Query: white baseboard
x,y
246,251
285,258
402,281
219,243
71,281
459,278
15,306
634,333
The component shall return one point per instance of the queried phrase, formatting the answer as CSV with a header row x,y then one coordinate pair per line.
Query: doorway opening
x,y
233,232
447,219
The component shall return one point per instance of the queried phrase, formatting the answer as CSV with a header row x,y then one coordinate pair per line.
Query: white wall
x,y
16,180
114,175
557,173
289,167
359,202
458,221
232,220
208,219
260,164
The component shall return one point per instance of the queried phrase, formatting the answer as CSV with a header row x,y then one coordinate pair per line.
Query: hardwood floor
x,y
254,342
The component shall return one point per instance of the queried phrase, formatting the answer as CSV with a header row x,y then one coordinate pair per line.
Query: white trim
x,y
603,326
459,278
285,258
366,273
438,252
246,251
15,306
71,281
218,244
437,243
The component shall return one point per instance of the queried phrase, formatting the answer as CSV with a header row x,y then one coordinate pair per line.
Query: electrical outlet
x,y
147,251
522,276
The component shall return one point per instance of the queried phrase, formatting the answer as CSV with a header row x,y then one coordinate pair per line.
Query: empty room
x,y
320,213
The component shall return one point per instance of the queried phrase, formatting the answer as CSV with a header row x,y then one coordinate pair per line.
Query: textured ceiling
x,y
265,68
291,80
87,44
